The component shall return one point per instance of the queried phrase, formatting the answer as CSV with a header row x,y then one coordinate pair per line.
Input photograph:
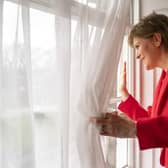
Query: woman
x,y
149,37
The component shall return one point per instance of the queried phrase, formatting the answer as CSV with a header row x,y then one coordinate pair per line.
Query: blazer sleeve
x,y
152,132
133,109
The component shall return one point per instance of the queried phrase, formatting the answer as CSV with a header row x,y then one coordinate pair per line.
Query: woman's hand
x,y
115,125
123,84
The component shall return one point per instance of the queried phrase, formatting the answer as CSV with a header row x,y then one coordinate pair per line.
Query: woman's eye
x,y
137,46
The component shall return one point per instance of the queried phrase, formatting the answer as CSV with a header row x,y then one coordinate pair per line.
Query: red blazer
x,y
152,124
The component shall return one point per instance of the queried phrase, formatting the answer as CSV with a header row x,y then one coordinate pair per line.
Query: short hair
x,y
147,26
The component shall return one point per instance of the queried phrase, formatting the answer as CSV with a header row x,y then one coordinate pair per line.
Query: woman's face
x,y
147,52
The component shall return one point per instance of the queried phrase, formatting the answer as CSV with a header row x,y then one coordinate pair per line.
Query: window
x,y
46,111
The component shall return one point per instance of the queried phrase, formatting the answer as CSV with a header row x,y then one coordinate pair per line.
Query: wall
x,y
147,6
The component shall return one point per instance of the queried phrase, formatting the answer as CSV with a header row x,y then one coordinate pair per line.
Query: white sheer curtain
x,y
58,67
99,78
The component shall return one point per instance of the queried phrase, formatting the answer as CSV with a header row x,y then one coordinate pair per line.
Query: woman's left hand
x,y
115,124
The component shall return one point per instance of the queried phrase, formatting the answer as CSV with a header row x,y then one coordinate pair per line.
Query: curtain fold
x,y
58,67
16,113
1,21
100,76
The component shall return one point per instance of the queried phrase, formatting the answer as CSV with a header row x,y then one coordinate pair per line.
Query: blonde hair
x,y
147,26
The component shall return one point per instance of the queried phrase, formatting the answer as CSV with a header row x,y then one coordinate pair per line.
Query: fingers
x,y
124,67
105,119
123,84
116,125
93,120
124,75
123,78
105,130
108,130
98,120
102,124
109,115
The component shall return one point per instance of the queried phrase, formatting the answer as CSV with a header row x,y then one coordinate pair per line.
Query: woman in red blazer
x,y
149,37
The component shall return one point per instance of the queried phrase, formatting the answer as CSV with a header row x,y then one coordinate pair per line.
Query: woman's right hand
x,y
123,84
116,125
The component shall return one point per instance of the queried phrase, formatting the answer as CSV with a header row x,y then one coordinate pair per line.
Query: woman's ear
x,y
157,39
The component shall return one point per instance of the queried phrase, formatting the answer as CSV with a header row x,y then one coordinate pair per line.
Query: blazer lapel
x,y
156,95
161,95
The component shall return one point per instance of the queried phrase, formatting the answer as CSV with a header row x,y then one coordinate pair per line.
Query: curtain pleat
x,y
1,39
98,82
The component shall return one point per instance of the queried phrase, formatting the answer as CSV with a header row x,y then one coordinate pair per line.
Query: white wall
x,y
147,6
